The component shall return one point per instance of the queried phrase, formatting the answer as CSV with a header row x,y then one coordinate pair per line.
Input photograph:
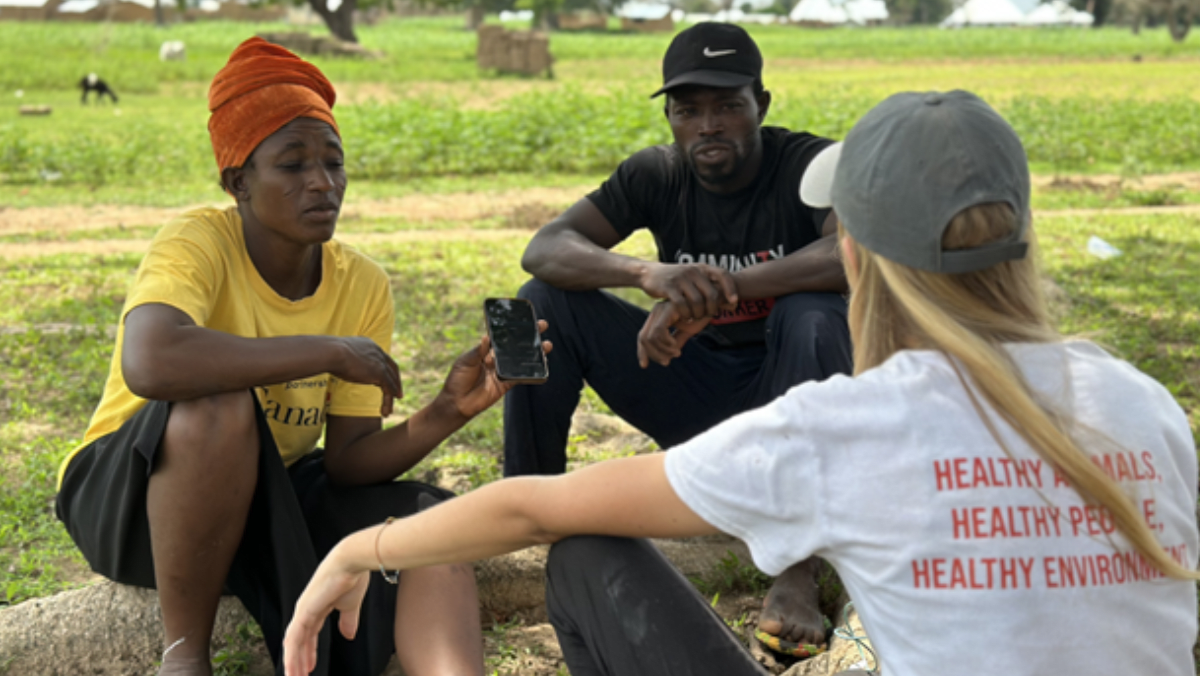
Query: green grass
x,y
438,49
1144,304
424,114
553,132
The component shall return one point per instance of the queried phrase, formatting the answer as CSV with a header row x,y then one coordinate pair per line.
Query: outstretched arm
x,y
626,497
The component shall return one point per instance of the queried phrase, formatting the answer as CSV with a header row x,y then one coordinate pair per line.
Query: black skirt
x,y
295,518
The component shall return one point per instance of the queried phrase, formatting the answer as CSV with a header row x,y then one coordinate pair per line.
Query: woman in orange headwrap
x,y
249,332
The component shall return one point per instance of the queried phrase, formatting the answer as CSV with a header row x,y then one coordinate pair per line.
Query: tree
x,y
1100,9
545,12
919,11
1178,15
338,15
476,9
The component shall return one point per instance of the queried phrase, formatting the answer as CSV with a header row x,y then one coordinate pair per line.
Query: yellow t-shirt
x,y
198,263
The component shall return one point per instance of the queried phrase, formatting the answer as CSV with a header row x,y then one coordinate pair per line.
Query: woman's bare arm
x,y
626,497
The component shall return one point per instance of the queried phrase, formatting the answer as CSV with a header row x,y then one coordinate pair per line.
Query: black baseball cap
x,y
711,54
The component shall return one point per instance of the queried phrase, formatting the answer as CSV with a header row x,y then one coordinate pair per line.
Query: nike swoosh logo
x,y
724,52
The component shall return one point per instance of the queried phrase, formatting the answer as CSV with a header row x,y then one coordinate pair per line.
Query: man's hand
x,y
664,333
472,385
366,363
697,290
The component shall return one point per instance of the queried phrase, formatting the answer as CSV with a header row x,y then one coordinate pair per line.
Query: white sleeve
x,y
758,477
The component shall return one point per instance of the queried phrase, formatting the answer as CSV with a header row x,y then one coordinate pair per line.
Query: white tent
x,y
817,11
646,11
77,6
1058,13
984,13
863,12
835,12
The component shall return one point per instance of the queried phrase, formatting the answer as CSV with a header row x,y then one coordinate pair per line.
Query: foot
x,y
185,666
791,610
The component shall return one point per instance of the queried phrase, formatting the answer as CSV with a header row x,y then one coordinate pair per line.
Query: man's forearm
x,y
814,268
570,261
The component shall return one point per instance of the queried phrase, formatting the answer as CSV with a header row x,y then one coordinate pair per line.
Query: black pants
x,y
295,518
595,339
621,609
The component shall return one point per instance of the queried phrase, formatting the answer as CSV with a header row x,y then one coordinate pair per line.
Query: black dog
x,y
92,83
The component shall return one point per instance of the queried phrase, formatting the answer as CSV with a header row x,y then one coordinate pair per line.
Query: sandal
x,y
786,647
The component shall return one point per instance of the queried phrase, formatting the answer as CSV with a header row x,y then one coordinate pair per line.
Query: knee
x,y
808,316
543,296
221,423
584,557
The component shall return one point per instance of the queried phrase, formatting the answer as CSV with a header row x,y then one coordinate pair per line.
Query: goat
x,y
172,50
92,83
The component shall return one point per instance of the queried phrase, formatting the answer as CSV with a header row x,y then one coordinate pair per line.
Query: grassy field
x,y
423,127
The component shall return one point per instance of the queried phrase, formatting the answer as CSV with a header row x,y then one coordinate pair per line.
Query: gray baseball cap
x,y
910,165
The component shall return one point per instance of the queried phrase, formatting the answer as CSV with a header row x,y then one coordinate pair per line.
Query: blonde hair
x,y
968,317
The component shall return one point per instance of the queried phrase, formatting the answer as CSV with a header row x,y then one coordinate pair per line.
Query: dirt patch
x,y
478,95
123,246
1120,211
74,218
1106,183
524,649
531,216
521,211
520,222
523,205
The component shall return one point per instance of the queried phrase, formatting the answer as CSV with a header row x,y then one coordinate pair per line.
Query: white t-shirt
x,y
958,558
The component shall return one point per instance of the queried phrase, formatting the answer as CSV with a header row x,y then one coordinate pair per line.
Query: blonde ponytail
x,y
969,317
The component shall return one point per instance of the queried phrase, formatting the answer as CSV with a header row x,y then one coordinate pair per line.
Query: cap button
x,y
933,98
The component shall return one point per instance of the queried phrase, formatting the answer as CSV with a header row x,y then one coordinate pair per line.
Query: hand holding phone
x,y
516,342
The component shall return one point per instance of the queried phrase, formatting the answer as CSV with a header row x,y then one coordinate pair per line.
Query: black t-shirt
x,y
657,190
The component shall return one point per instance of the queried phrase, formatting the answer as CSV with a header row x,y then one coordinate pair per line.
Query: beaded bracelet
x,y
394,577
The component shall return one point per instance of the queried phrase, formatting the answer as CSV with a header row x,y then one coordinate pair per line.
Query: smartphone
x,y
516,341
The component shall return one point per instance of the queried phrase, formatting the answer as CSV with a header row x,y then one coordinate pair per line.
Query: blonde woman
x,y
997,500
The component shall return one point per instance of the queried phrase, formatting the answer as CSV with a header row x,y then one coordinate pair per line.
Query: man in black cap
x,y
750,294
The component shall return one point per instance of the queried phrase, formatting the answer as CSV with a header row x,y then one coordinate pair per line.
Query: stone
x,y
109,629
102,630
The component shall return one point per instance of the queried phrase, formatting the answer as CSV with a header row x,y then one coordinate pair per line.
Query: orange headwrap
x,y
260,89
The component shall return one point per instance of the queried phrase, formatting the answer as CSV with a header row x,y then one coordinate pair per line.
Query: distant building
x,y
134,10
985,13
106,10
26,10
839,12
1058,13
